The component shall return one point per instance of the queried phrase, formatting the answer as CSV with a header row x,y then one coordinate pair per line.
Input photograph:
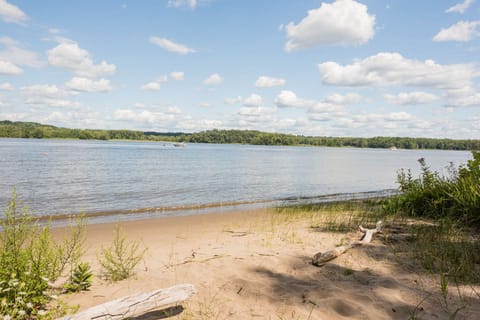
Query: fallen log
x,y
136,305
321,258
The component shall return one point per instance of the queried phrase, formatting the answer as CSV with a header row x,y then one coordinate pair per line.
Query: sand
x,y
256,265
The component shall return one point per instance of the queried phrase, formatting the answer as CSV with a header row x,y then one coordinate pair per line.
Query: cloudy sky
x,y
335,68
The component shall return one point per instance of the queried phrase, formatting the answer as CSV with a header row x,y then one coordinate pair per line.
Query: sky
x,y
323,68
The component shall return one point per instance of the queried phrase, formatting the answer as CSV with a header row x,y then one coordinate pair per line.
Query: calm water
x,y
60,177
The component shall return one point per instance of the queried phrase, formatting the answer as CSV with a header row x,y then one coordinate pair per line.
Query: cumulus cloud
x,y
15,53
151,86
254,100
192,4
171,46
155,85
410,98
12,13
268,82
213,79
89,85
460,7
256,111
48,95
468,100
70,56
386,69
6,86
9,68
343,22
349,98
288,99
177,75
461,31
144,116
317,110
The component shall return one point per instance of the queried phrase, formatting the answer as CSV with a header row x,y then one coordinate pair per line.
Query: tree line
x,y
12,129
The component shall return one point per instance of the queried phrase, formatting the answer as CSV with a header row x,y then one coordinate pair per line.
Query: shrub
x,y
455,196
119,260
29,260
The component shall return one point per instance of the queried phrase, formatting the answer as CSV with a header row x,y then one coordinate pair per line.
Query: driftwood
x,y
136,305
322,258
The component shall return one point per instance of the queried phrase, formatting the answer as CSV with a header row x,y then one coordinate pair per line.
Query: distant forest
x,y
10,129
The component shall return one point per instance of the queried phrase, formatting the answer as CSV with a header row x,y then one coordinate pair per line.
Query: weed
x,y
80,279
119,261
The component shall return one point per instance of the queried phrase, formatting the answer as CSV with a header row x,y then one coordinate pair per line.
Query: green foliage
x,y
35,130
456,196
29,260
80,279
119,260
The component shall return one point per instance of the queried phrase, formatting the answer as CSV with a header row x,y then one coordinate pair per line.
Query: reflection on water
x,y
58,177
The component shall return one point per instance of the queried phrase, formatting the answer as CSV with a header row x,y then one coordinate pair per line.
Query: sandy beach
x,y
256,265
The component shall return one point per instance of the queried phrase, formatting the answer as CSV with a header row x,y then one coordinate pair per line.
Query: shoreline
x,y
220,207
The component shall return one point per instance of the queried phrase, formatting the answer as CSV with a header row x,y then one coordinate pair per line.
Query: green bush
x,y
455,196
119,260
29,261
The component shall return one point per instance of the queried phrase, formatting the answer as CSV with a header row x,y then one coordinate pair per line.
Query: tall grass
x,y
455,196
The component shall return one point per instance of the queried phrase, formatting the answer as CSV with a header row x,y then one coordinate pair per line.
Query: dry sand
x,y
256,265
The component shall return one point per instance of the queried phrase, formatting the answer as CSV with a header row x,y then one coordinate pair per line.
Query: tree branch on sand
x,y
321,258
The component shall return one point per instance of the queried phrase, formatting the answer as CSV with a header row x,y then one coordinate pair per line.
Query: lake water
x,y
56,177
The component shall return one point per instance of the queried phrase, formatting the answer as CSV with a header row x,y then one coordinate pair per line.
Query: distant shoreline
x,y
11,129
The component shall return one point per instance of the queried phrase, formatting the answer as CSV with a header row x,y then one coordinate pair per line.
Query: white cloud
x,y
256,111
171,46
11,13
317,110
349,98
460,7
9,68
205,105
48,95
268,82
288,99
14,53
70,56
213,79
151,86
410,98
45,90
343,22
177,75
192,4
155,85
233,100
199,125
461,31
254,100
144,116
6,86
89,85
386,69
469,100
398,116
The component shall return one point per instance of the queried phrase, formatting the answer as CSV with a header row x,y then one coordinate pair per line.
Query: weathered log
x,y
136,305
321,258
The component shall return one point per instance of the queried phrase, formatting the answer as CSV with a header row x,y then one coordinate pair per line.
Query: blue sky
x,y
334,68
